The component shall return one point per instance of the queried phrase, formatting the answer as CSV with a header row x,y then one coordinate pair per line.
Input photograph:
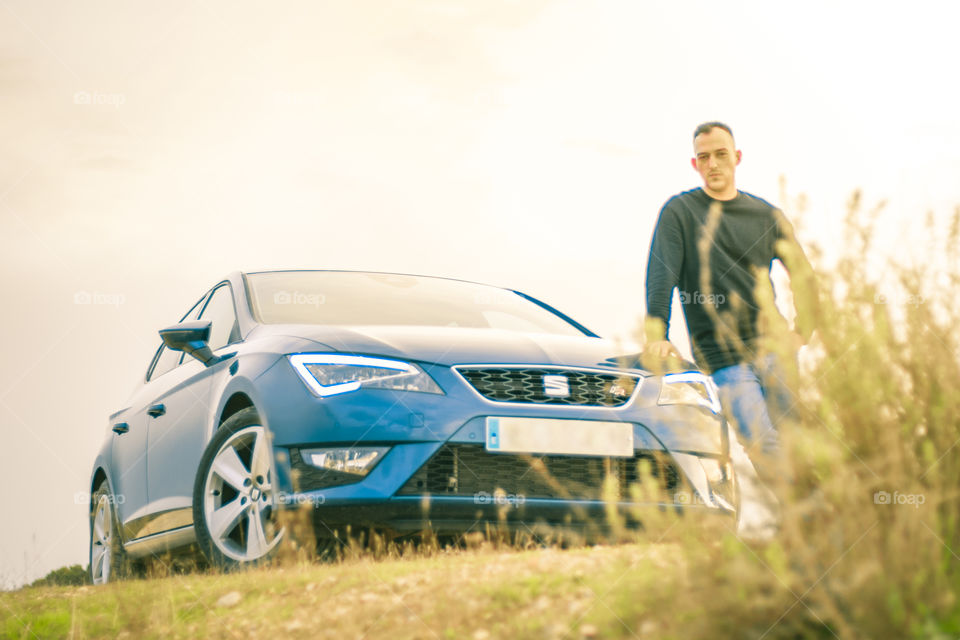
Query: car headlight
x,y
329,374
689,388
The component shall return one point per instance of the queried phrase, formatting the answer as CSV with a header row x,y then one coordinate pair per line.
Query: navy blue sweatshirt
x,y
744,241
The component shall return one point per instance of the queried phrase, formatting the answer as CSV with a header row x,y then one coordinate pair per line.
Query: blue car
x,y
397,403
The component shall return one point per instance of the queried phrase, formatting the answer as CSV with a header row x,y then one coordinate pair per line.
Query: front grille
x,y
469,470
526,384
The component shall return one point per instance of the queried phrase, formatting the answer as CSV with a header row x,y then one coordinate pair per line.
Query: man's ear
x,y
739,155
693,163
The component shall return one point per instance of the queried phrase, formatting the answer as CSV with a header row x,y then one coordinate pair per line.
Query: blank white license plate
x,y
561,437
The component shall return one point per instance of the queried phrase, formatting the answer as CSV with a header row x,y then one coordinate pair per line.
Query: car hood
x,y
454,345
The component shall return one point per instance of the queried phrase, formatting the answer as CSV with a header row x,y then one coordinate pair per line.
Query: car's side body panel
x,y
124,456
176,439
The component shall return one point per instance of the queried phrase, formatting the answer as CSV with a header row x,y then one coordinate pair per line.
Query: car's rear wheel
x,y
107,558
234,496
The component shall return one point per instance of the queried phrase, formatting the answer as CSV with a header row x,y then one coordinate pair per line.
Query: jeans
x,y
756,399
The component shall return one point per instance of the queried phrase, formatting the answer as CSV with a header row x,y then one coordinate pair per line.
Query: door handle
x,y
156,410
121,427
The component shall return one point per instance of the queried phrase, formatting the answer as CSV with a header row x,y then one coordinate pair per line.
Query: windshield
x,y
352,298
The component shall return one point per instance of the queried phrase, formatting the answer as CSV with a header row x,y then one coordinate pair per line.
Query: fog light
x,y
355,460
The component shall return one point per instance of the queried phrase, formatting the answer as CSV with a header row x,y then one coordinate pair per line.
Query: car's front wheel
x,y
234,496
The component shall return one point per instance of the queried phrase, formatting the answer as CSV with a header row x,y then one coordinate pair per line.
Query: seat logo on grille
x,y
556,386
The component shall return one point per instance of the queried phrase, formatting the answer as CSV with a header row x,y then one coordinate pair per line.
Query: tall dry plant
x,y
869,470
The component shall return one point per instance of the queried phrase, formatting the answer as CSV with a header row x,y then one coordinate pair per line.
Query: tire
x,y
108,561
234,496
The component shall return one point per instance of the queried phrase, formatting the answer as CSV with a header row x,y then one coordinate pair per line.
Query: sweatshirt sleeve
x,y
783,231
664,265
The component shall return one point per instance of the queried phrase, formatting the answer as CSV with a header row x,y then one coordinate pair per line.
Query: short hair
x,y
707,127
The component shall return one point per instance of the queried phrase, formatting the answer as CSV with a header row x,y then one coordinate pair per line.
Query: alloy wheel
x,y
239,498
101,541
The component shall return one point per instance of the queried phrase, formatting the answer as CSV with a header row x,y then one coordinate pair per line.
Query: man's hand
x,y
660,356
661,349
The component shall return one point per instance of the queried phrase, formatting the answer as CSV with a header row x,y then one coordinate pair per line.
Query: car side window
x,y
168,359
220,312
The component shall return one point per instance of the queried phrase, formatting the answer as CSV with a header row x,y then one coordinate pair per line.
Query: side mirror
x,y
191,338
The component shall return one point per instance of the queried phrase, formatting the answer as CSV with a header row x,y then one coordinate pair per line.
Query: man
x,y
716,244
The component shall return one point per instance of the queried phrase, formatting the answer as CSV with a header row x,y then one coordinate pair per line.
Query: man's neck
x,y
729,194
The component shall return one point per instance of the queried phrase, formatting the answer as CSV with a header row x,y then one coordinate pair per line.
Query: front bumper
x,y
422,428
408,515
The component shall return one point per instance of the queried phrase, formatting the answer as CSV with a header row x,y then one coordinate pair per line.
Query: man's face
x,y
716,161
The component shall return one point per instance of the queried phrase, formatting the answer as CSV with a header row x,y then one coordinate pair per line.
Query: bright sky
x,y
151,148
